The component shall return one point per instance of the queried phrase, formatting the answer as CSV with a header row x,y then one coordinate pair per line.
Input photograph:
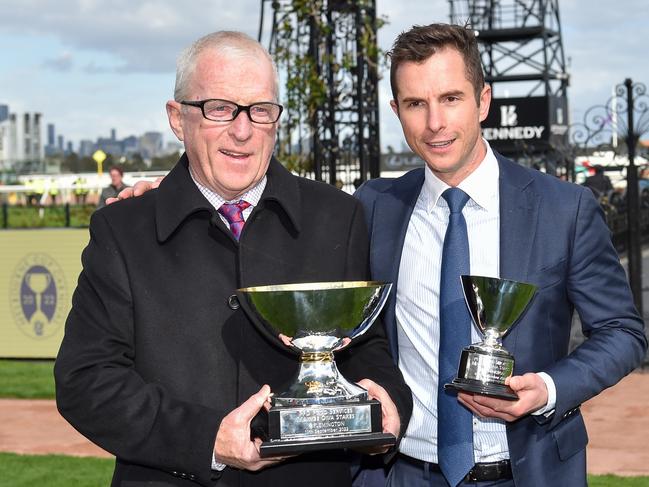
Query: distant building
x,y
174,146
60,143
131,145
87,148
4,112
110,146
50,147
8,142
21,140
50,134
151,145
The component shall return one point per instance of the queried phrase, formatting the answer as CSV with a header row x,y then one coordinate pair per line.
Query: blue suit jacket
x,y
552,234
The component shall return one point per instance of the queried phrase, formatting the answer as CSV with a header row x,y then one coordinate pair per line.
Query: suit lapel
x,y
519,205
391,215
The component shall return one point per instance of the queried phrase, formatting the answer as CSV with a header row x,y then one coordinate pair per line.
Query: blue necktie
x,y
454,422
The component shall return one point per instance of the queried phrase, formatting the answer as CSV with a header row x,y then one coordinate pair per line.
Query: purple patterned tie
x,y
233,213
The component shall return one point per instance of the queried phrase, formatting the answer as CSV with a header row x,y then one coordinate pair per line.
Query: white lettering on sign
x,y
513,133
508,116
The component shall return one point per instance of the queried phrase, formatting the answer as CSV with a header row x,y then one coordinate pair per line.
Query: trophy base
x,y
293,430
499,391
295,447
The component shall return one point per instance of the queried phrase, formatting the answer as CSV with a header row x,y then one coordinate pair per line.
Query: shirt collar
x,y
252,196
178,197
481,185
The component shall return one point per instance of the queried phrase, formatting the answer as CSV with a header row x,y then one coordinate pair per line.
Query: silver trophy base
x,y
293,430
499,391
321,410
483,370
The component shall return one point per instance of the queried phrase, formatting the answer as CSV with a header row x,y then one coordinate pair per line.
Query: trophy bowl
x,y
320,409
495,306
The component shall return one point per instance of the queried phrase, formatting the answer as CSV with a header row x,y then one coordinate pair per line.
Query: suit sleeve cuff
x,y
548,409
219,467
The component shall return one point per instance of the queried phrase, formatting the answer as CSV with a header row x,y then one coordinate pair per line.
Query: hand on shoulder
x,y
138,189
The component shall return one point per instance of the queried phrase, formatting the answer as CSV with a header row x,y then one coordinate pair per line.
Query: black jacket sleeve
x,y
98,388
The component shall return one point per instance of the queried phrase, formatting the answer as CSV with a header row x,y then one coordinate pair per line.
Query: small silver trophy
x,y
321,409
495,306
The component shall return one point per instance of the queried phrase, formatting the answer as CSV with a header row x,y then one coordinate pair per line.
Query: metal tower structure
x,y
327,58
523,59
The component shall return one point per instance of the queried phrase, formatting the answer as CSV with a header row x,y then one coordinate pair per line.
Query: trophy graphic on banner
x,y
321,409
495,306
38,282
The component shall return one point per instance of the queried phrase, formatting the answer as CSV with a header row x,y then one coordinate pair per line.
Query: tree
x,y
164,163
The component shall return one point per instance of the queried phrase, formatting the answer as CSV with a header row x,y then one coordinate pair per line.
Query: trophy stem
x,y
318,381
492,338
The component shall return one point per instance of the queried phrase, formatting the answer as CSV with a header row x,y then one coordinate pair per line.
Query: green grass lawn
x,y
54,471
27,379
62,471
613,481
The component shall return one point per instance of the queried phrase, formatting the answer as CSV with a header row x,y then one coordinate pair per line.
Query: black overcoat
x,y
154,355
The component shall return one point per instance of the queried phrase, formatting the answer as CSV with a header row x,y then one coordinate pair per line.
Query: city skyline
x,y
91,65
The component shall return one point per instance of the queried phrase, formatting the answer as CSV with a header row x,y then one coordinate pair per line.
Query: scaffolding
x,y
328,63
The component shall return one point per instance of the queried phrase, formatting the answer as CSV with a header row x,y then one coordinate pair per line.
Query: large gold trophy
x,y
321,409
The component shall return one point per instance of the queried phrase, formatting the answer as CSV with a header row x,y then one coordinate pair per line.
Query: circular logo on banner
x,y
37,294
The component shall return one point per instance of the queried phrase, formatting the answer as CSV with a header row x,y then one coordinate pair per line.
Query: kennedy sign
x,y
515,121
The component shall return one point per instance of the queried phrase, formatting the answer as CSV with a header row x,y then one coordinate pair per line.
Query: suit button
x,y
233,302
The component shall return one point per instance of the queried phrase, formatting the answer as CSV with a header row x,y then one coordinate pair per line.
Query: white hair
x,y
230,43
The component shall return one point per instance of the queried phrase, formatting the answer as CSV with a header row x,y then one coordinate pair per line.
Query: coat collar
x,y
519,205
392,211
178,197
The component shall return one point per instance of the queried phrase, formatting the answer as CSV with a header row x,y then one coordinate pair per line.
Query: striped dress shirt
x,y
417,305
252,196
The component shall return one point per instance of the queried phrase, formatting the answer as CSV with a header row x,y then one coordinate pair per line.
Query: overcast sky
x,y
91,65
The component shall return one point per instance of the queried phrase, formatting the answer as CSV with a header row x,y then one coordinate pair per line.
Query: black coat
x,y
154,356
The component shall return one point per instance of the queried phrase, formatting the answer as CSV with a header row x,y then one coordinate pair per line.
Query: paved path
x,y
617,420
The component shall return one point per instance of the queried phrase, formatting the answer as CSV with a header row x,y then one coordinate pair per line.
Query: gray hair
x,y
231,43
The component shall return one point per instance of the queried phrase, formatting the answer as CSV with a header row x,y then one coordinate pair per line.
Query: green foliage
x,y
75,164
53,216
298,163
135,163
164,163
26,379
309,89
54,471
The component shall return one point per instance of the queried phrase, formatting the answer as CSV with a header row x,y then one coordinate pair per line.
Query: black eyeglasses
x,y
226,111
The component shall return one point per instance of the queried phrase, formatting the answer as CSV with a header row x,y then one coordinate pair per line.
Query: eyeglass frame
x,y
240,108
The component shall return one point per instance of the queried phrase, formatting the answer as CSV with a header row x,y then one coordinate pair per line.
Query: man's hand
x,y
138,189
532,395
233,445
390,420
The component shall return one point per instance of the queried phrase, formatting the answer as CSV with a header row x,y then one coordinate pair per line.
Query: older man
x,y
159,365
